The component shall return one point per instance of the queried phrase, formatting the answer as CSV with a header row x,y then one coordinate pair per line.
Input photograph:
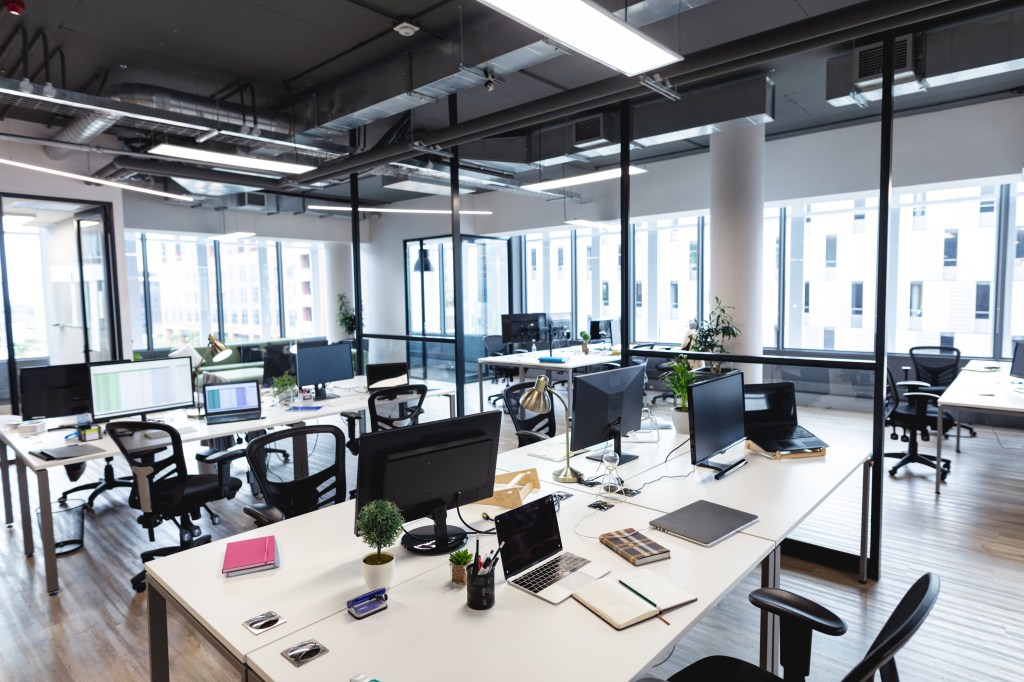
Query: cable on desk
x,y
686,475
458,510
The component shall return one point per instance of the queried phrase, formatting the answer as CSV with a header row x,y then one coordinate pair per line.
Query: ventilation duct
x,y
593,131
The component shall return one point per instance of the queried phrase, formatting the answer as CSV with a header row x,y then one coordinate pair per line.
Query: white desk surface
x,y
573,355
521,634
980,388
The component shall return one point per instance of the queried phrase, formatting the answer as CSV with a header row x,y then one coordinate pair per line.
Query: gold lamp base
x,y
567,475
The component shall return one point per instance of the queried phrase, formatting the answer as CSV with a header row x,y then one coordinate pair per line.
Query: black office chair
x,y
310,478
108,482
937,366
653,369
396,406
494,347
530,426
163,489
915,417
799,616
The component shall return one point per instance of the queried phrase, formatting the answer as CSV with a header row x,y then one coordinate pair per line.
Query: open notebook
x,y
631,598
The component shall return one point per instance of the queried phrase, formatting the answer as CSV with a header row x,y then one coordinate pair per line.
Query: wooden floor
x,y
972,536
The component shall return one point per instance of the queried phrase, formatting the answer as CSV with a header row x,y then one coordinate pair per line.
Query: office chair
x,y
530,426
654,368
915,417
108,482
162,489
937,366
799,616
314,479
494,347
410,402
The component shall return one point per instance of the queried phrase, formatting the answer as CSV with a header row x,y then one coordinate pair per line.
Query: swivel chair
x,y
915,418
937,366
494,347
530,426
315,477
162,488
108,482
408,399
799,616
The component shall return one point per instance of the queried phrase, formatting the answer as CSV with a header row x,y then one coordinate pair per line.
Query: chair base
x,y
108,482
139,579
916,458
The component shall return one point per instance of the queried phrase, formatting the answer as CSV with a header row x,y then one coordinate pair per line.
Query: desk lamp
x,y
536,400
215,350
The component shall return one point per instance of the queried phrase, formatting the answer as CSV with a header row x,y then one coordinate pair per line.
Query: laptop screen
x,y
1017,366
243,396
386,374
529,533
769,405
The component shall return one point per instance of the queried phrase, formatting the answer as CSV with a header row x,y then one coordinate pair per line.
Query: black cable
x,y
458,510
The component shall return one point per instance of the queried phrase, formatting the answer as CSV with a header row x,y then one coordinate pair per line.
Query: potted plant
x,y
585,338
459,562
379,524
283,388
712,334
678,376
346,316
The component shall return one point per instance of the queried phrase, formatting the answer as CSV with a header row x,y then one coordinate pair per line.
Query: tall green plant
x,y
713,333
678,376
346,315
379,524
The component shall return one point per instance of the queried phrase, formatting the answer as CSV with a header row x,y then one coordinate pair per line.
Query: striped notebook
x,y
634,547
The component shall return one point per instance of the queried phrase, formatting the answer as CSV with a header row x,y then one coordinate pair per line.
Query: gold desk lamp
x,y
536,400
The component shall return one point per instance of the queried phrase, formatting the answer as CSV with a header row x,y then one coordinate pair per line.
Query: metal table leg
x,y
865,515
938,451
46,531
771,566
159,664
26,512
479,385
6,482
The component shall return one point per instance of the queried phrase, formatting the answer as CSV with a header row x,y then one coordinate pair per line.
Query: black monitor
x,y
716,420
428,469
277,362
524,327
122,389
603,330
1017,365
317,364
381,374
54,391
605,406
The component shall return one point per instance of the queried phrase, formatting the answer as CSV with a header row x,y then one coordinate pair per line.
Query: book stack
x,y
634,547
251,556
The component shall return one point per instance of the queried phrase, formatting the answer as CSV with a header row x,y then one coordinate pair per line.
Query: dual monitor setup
x,y
534,328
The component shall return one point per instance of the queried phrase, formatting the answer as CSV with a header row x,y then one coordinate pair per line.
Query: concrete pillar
x,y
338,279
735,238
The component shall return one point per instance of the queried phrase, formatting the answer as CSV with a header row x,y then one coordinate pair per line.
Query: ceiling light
x,y
96,181
377,209
592,31
231,236
274,142
587,178
579,222
208,135
405,29
15,7
202,155
422,187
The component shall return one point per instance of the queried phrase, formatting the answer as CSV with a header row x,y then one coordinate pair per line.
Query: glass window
x,y
249,286
770,277
830,250
829,340
136,289
982,295
947,339
916,298
172,297
807,297
25,270
638,289
605,298
673,295
664,304
949,248
857,298
302,264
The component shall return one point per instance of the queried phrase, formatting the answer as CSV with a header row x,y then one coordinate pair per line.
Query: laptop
x,y
232,402
532,556
387,374
703,522
769,418
1017,366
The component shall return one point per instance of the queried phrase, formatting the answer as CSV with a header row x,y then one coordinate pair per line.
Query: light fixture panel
x,y
584,179
175,151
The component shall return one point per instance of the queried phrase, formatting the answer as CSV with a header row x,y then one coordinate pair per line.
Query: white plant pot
x,y
377,576
680,420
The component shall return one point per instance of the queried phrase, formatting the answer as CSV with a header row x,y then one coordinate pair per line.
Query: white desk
x,y
574,359
980,389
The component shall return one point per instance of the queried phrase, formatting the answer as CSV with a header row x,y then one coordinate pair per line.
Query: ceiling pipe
x,y
857,21
166,170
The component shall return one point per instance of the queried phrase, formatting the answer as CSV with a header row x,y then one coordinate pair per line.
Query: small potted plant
x,y
284,388
679,376
712,334
379,523
459,562
585,338
346,315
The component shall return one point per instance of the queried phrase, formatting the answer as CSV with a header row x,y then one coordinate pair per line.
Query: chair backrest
x,y
905,620
300,469
493,345
396,406
157,461
935,365
523,419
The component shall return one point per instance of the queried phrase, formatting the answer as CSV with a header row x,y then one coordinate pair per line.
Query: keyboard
x,y
550,572
784,433
156,435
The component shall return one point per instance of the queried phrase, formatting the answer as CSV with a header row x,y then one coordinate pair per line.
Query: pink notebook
x,y
251,553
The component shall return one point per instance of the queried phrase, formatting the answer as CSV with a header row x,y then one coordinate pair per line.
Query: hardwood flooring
x,y
972,536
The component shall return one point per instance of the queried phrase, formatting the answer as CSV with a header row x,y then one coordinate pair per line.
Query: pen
x,y
645,599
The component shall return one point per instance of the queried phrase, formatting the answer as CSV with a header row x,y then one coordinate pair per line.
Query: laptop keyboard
x,y
550,572
785,433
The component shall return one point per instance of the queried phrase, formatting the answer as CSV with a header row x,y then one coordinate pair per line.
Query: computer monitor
x,y
120,389
428,469
603,330
605,406
382,374
54,391
716,420
317,364
524,327
1017,366
276,363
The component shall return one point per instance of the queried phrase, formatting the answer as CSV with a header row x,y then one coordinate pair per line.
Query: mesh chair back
x,y
523,419
396,406
936,365
157,460
300,469
909,615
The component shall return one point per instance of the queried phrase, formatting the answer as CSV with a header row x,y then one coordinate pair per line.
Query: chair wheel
x,y
905,439
196,532
893,436
945,472
892,472
185,534
215,519
139,585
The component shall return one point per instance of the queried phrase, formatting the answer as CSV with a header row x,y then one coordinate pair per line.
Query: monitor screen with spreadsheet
x,y
121,389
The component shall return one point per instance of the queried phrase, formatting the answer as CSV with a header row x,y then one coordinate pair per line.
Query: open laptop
x,y
769,418
232,402
386,374
532,556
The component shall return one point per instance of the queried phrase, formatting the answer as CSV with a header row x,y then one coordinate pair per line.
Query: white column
x,y
338,279
735,238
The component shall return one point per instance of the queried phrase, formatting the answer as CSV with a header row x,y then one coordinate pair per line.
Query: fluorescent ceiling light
x,y
583,27
231,236
376,209
587,178
579,222
203,155
96,181
426,187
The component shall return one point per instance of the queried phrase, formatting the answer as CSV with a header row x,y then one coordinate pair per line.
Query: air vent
x,y
867,62
256,201
592,131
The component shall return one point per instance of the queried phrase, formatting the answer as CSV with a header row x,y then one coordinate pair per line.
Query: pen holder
x,y
479,590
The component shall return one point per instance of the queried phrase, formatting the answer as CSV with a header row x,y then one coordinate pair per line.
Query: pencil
x,y
646,600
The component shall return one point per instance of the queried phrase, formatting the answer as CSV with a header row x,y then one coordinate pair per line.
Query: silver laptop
x,y
532,556
232,402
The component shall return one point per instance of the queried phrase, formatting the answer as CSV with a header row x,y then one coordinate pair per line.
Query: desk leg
x,y
46,531
451,403
938,451
956,416
479,386
159,665
26,512
865,515
6,478
770,569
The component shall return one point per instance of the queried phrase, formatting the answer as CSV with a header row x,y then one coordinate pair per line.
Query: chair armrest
x,y
527,437
787,604
914,384
930,397
221,456
265,514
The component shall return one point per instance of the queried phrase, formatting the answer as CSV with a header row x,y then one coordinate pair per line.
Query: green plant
x,y
713,333
585,337
461,557
379,523
678,376
346,315
283,384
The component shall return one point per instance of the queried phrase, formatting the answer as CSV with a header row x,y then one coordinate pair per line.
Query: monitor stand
x,y
437,539
722,469
320,392
624,457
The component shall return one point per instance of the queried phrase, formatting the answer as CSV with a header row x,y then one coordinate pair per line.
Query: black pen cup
x,y
479,590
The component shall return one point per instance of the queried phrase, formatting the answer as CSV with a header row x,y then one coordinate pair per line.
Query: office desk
x,y
575,359
352,396
979,389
